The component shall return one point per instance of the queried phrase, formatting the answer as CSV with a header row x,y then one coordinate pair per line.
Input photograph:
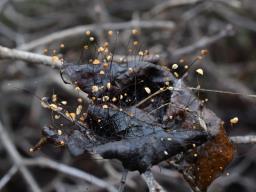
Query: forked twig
x,y
7,177
153,185
44,162
17,160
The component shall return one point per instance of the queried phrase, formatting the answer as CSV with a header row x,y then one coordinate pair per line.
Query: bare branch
x,y
6,53
8,176
236,19
170,4
248,139
153,185
17,159
175,3
203,42
79,30
44,162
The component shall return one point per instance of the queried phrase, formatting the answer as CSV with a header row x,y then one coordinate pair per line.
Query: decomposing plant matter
x,y
210,159
141,114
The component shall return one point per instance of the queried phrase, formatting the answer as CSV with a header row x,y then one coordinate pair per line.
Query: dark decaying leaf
x,y
141,136
120,76
213,156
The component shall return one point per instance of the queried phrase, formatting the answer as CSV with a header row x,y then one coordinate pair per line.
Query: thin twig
x,y
8,176
17,159
234,18
44,162
6,53
170,4
153,185
247,139
174,3
203,42
80,30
